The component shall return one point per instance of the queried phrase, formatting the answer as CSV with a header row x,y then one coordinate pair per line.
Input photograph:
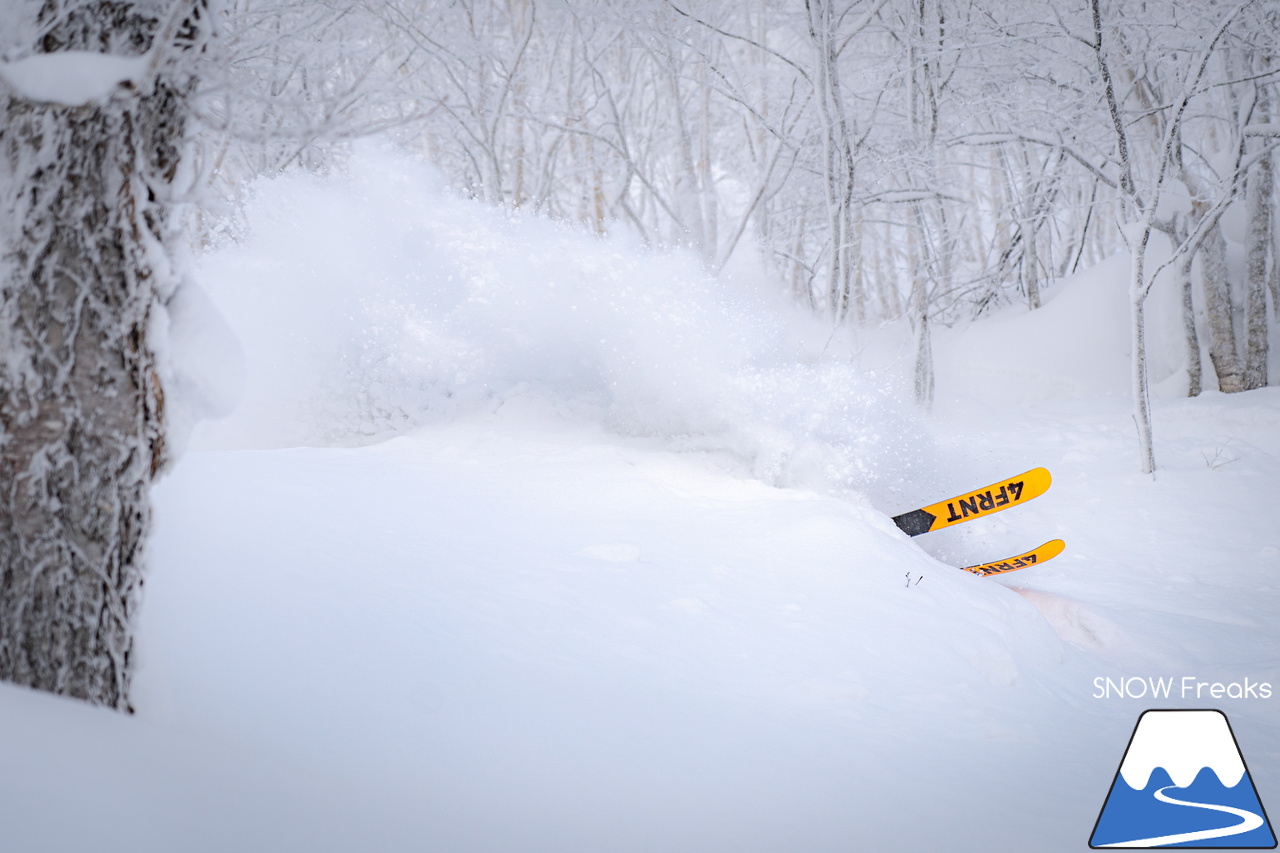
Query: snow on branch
x,y
72,78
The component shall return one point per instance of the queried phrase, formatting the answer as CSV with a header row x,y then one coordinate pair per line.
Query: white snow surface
x,y
203,363
71,77
1183,743
528,540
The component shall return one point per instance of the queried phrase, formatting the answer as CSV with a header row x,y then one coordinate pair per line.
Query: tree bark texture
x,y
1138,339
1195,376
837,156
82,416
1258,239
1215,284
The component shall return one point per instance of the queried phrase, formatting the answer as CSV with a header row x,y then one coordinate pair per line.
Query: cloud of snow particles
x,y
376,301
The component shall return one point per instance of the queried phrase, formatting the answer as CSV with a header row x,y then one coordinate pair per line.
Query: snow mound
x,y
1076,345
548,636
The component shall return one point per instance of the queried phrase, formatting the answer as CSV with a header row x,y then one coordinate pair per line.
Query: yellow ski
x,y
1047,551
985,501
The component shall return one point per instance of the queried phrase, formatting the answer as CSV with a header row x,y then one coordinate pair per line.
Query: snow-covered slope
x,y
526,615
590,553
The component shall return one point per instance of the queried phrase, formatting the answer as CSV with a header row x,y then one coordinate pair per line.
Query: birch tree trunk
x,y
837,156
923,382
1258,241
1195,376
82,419
1215,285
1138,337
1029,227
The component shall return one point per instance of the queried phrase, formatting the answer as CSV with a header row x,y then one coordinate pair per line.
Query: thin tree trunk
x,y
688,204
837,154
923,384
1195,375
801,283
1258,241
924,381
1138,332
859,277
710,213
1029,203
1030,265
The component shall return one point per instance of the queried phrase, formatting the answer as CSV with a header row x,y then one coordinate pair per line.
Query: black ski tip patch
x,y
915,522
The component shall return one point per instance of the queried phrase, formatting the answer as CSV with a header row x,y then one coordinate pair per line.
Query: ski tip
x,y
1038,480
1051,549
1014,491
1044,553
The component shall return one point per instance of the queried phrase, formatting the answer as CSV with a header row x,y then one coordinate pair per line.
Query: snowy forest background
x,y
925,160
525,387
921,160
890,161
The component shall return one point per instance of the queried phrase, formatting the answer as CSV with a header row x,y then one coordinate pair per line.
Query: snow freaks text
x,y
1186,687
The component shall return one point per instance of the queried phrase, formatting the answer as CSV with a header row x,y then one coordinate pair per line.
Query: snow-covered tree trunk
x,y
1030,265
85,177
1273,280
1258,240
923,382
1215,284
837,155
1138,289
1195,376
1143,199
1029,227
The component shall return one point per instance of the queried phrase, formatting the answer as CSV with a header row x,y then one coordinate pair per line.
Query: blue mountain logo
x,y
1183,783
